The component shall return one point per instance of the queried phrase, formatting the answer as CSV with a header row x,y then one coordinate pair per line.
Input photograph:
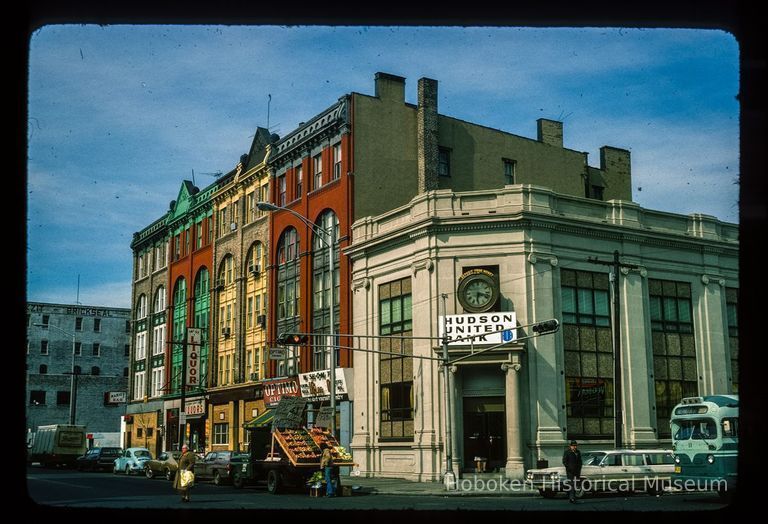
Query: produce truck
x,y
287,454
57,445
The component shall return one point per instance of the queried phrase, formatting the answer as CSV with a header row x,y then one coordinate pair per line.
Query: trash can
x,y
542,463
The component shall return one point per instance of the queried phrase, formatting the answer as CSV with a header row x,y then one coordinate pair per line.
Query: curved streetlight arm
x,y
327,238
266,206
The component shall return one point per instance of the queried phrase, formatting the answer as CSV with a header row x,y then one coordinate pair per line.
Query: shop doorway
x,y
484,432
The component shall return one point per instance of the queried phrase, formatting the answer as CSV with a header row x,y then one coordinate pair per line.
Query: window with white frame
x,y
299,177
336,161
158,340
221,433
141,307
138,385
159,305
141,346
157,381
317,170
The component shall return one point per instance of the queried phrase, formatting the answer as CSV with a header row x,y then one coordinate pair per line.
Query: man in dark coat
x,y
572,463
186,462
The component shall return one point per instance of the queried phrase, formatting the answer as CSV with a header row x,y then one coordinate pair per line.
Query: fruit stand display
x,y
304,447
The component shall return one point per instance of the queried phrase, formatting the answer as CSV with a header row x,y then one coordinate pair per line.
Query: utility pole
x,y
450,478
182,414
617,383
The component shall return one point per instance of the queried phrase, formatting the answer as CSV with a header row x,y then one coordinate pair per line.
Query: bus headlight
x,y
711,459
554,477
677,460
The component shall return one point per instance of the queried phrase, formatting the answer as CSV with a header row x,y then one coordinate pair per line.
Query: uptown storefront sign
x,y
274,390
486,328
317,384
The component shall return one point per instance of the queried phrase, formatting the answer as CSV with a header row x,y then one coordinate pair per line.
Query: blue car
x,y
132,460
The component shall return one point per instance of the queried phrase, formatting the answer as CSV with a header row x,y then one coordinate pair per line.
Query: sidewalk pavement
x,y
482,485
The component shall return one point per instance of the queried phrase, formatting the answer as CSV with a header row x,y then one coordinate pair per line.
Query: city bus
x,y
705,441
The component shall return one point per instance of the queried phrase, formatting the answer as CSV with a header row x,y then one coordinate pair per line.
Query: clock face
x,y
477,292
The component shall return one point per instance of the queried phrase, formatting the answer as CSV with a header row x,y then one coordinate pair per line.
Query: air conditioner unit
x,y
255,268
233,226
225,331
261,320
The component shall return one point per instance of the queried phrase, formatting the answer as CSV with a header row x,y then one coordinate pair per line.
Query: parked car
x,y
219,466
98,459
648,470
132,460
166,464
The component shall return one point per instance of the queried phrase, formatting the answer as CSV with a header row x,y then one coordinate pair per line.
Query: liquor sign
x,y
481,326
274,390
194,341
317,384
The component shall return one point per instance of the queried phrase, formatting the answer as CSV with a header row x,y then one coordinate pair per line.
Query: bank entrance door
x,y
484,432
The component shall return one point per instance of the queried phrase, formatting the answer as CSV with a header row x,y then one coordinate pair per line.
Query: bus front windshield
x,y
694,429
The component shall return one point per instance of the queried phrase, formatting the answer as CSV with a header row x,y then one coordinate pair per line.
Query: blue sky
x,y
118,116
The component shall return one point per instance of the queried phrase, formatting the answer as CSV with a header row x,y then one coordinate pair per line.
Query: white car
x,y
132,460
617,470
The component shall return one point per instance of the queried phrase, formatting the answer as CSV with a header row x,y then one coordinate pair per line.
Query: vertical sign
x,y
194,340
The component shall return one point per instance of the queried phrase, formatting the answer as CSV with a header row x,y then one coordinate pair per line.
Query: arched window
x,y
179,331
287,276
159,304
255,260
321,288
95,370
202,307
43,369
287,303
141,307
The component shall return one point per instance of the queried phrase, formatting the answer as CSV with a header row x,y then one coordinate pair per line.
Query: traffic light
x,y
548,326
291,339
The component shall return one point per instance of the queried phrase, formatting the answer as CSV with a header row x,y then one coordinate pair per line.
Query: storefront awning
x,y
262,420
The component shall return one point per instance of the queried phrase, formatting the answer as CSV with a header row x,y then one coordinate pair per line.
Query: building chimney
x,y
550,132
390,87
426,132
616,165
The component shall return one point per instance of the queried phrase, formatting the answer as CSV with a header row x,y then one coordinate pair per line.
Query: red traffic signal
x,y
291,339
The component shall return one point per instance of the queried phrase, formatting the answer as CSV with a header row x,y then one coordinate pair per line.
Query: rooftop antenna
x,y
193,177
217,174
77,300
269,101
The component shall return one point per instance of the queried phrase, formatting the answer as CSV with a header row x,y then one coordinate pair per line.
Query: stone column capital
x,y
506,367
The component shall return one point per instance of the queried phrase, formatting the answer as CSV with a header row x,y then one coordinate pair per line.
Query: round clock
x,y
477,291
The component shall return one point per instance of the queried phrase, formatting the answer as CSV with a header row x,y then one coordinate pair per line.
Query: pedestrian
x,y
572,463
326,464
186,463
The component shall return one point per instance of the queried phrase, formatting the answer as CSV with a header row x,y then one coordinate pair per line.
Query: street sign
x,y
276,353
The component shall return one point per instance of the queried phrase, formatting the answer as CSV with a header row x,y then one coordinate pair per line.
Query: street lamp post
x,y
73,380
327,238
